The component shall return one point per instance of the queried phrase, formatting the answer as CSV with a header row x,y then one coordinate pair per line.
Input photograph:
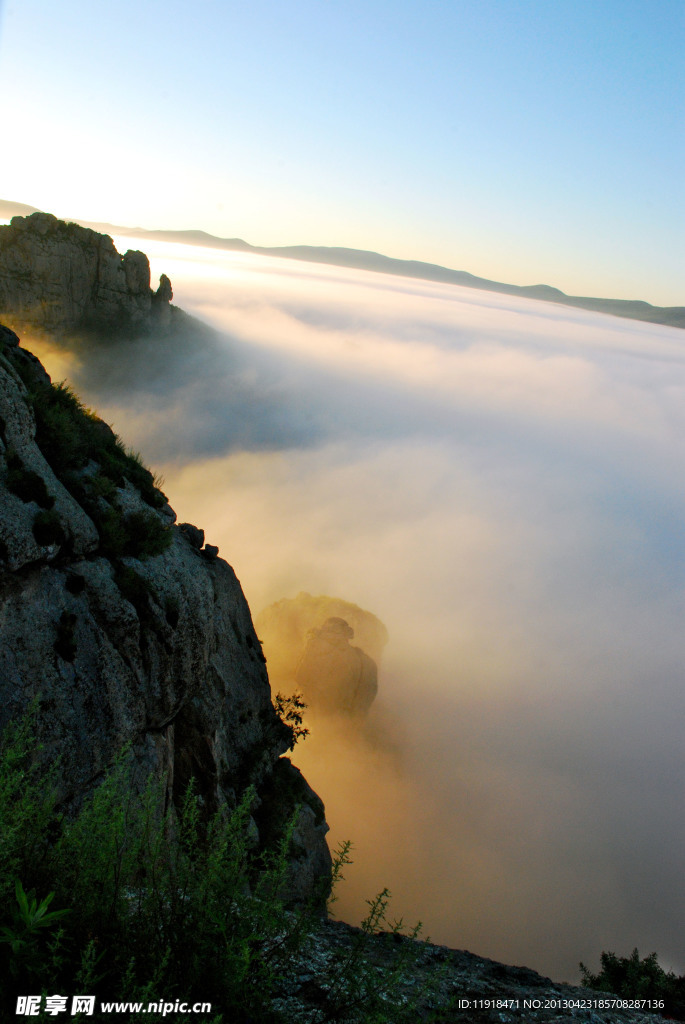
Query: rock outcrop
x,y
335,676
439,985
124,628
307,642
58,279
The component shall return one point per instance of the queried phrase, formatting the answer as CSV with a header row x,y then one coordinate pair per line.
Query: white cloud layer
x,y
500,481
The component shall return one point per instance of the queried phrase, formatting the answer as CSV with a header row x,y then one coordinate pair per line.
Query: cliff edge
x,y
126,628
58,278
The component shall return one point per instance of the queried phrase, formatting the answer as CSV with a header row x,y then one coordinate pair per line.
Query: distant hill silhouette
x,y
632,309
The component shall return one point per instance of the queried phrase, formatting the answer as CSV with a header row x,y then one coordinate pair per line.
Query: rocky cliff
x,y
124,626
58,278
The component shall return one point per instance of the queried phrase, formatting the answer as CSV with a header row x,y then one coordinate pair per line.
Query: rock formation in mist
x,y
307,641
126,628
334,676
58,278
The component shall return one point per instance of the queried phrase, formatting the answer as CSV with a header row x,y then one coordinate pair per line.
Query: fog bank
x,y
500,481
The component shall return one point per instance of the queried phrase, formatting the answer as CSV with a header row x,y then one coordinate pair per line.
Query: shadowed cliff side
x,y
126,628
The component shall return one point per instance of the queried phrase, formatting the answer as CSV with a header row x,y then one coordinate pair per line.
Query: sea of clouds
x,y
502,482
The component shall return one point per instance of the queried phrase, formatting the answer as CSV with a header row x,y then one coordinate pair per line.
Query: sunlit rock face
x,y
152,647
58,278
308,644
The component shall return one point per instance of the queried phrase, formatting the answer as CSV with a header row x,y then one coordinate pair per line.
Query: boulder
x,y
193,535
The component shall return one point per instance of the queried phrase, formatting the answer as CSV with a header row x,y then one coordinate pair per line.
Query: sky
x,y
520,140
500,481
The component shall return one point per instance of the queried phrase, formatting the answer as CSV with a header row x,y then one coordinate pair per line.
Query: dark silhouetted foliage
x,y
633,978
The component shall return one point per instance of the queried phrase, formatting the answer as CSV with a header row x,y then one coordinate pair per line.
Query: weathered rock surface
x,y
434,984
58,278
156,650
307,643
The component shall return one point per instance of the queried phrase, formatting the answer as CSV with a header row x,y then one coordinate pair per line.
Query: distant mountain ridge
x,y
362,259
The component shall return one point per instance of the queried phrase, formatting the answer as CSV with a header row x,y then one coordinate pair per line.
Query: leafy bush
x,y
291,711
633,978
112,529
355,985
141,894
101,486
140,535
27,806
23,935
146,535
71,438
130,899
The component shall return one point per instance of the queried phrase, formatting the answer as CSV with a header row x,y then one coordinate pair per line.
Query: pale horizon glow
x,y
500,481
534,143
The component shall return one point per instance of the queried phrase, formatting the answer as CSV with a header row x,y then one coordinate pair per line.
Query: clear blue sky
x,y
524,140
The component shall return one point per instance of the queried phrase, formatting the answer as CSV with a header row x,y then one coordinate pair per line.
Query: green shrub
x,y
27,806
354,988
139,535
633,978
63,427
146,535
24,935
69,436
132,900
291,711
112,530
157,895
100,486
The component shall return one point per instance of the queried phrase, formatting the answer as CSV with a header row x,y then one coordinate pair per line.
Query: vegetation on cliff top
x,y
635,978
90,460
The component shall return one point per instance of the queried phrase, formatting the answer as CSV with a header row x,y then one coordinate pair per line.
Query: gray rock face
x,y
152,646
58,278
18,543
195,537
